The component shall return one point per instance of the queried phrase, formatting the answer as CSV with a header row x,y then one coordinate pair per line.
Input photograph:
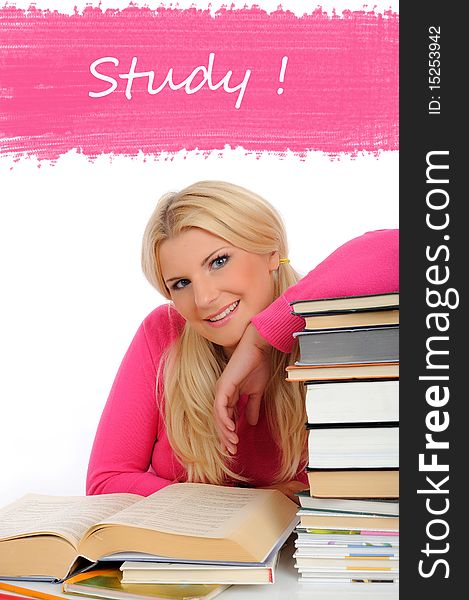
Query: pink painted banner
x,y
131,80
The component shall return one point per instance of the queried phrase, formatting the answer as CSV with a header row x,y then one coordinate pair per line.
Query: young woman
x,y
212,362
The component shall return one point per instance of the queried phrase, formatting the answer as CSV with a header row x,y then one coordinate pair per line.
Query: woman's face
x,y
215,286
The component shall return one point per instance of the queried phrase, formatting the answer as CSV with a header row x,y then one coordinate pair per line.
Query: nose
x,y
205,292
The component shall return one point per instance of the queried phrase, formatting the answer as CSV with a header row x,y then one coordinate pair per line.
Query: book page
x,y
67,516
192,509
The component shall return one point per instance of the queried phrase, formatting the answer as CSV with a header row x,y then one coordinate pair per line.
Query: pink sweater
x,y
131,451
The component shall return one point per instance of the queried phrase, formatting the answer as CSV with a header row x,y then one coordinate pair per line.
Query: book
x,y
335,550
107,584
346,320
346,303
374,588
148,572
368,401
346,446
357,563
355,576
354,483
389,370
53,537
375,506
348,346
318,520
309,536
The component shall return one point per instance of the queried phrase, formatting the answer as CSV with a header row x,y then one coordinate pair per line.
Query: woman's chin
x,y
228,336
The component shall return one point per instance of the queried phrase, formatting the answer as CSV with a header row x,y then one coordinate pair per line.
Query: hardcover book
x,y
352,401
318,520
346,320
354,483
365,506
353,447
342,372
158,572
346,303
348,346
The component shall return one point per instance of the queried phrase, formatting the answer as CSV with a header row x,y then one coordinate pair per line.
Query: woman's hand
x,y
290,488
247,372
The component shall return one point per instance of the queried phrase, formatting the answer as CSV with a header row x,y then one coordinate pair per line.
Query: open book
x,y
48,537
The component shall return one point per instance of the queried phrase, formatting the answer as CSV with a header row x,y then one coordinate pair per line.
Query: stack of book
x,y
349,362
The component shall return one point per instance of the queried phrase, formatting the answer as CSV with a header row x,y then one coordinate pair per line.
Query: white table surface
x,y
286,586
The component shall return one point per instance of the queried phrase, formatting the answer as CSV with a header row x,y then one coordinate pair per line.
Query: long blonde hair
x,y
249,222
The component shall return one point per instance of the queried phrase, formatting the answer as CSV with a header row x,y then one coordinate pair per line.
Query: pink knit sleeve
x,y
123,446
368,264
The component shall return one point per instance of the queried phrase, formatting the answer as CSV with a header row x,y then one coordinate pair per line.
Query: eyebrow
x,y
203,263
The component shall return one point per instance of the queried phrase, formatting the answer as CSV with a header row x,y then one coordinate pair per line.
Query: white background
x,y
73,295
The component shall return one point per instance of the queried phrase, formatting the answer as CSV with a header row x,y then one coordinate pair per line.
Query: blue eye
x,y
181,284
219,262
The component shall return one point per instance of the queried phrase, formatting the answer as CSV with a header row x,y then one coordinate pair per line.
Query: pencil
x,y
16,589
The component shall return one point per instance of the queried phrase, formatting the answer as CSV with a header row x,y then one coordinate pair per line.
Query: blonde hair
x,y
249,222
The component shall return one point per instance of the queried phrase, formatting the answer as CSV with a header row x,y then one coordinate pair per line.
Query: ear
x,y
274,261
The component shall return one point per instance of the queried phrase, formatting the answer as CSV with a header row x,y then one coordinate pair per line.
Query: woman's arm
x,y
126,435
368,264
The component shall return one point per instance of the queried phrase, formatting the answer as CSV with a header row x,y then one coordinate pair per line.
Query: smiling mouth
x,y
224,313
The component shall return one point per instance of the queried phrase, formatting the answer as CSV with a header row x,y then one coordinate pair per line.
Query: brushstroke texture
x,y
340,84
